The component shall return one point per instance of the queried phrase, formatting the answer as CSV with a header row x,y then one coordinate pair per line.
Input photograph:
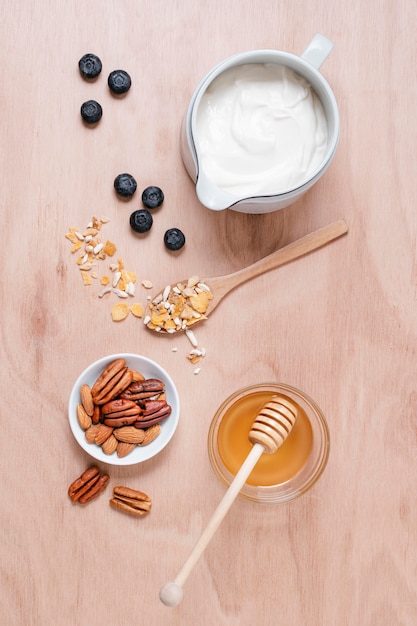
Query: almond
x,y
129,434
110,445
84,419
123,448
137,376
90,433
87,399
103,432
151,434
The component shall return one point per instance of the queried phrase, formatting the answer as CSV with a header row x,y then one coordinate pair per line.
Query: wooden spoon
x,y
269,431
220,286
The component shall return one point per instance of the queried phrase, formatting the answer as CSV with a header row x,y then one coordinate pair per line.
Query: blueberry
x,y
152,197
119,81
125,185
174,239
90,65
141,221
91,112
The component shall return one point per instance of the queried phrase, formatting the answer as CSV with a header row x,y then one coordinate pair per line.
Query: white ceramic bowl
x,y
149,369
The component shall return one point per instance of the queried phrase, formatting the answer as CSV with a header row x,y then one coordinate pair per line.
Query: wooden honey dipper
x,y
270,429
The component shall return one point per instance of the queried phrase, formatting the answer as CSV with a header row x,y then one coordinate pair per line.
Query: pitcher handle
x,y
317,50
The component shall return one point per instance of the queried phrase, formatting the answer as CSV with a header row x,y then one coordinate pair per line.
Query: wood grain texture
x,y
340,324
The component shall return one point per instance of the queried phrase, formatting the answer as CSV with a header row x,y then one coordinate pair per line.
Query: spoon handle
x,y
292,251
171,593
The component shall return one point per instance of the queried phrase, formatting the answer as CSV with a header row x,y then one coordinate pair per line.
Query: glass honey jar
x,y
293,468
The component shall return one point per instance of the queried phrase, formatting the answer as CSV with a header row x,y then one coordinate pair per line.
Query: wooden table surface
x,y
339,324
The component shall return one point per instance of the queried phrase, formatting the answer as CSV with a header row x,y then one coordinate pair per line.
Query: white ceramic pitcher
x,y
307,65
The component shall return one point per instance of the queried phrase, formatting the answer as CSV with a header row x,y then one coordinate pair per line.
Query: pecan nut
x,y
154,406
120,407
131,501
88,486
106,375
95,490
114,387
149,422
154,412
76,488
142,390
96,414
120,412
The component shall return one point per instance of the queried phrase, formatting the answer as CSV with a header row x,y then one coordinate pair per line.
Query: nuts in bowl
x,y
123,409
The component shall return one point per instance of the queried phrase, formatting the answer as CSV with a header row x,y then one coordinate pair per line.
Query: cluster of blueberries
x,y
141,220
125,185
119,82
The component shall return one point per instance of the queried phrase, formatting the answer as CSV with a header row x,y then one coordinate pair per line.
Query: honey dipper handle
x,y
171,593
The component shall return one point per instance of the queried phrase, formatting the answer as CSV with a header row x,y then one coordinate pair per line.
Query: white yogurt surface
x,y
261,130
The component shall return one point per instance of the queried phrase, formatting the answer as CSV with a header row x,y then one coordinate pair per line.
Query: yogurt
x,y
261,130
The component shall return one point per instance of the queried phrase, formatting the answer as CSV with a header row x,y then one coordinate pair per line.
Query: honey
x,y
272,469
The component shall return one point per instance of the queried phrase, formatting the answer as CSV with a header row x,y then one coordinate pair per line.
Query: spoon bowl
x,y
182,305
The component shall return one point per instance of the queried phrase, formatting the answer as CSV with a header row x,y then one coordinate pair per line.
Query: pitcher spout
x,y
212,196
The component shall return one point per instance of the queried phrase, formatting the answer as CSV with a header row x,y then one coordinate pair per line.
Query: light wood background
x,y
339,324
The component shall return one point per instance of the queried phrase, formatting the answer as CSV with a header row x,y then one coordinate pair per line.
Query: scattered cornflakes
x,y
92,252
109,248
86,277
119,311
76,246
137,309
196,353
